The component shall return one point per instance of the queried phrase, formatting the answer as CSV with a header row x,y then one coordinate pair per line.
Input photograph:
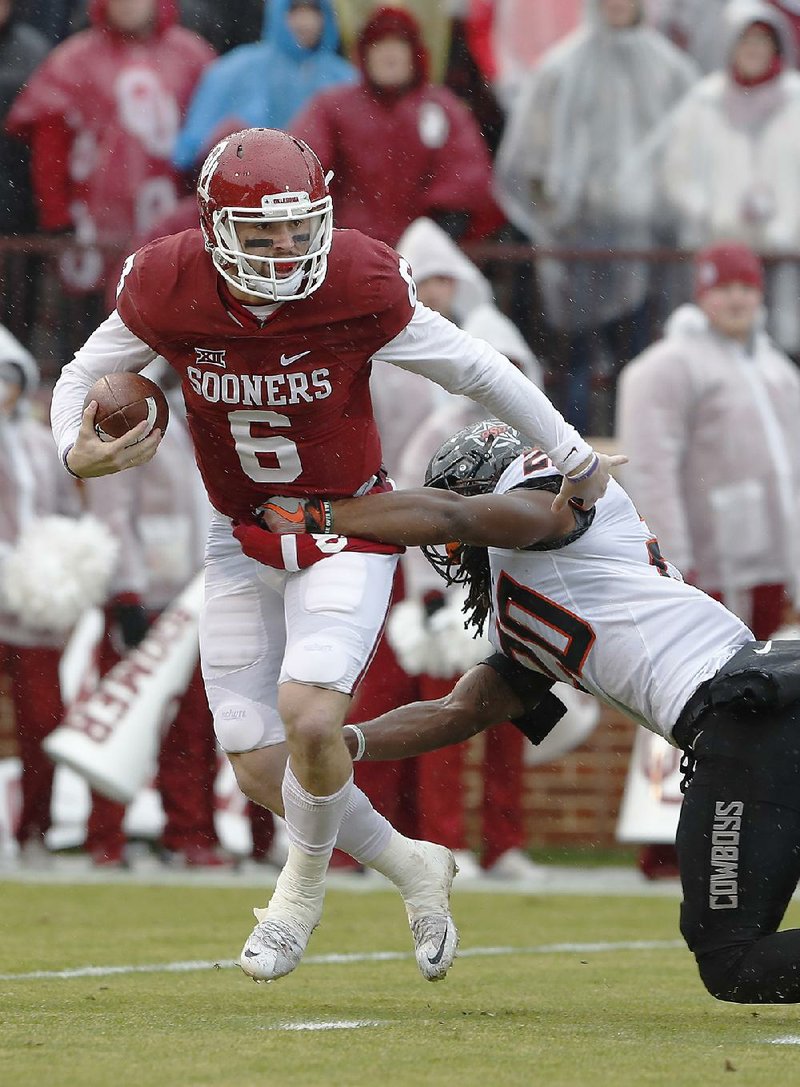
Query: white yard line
x,y
342,960
333,1024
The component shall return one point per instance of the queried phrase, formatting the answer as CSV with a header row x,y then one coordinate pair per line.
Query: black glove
x,y
129,622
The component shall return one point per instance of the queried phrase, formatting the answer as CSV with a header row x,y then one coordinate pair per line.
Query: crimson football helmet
x,y
261,176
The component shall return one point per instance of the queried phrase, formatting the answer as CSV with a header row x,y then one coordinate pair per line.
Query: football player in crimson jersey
x,y
587,598
271,319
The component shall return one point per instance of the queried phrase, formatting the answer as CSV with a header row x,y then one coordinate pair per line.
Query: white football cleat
x,y
275,946
426,893
516,865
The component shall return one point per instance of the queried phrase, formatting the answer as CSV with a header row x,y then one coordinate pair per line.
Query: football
x,y
125,399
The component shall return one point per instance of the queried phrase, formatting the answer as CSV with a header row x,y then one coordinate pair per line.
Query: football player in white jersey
x,y
587,597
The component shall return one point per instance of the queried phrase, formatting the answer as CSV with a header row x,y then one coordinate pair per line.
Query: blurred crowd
x,y
618,170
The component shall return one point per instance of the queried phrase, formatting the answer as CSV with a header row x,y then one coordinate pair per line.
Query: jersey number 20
x,y
571,637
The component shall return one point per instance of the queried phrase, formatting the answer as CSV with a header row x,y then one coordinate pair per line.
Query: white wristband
x,y
361,740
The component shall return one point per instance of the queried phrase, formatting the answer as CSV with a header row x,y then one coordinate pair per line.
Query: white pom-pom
x,y
59,567
457,648
409,635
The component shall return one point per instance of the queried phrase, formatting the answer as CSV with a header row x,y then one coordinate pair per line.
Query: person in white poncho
x,y
51,566
423,654
726,160
709,417
589,104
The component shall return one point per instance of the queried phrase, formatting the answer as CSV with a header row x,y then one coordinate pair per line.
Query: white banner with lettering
x,y
651,803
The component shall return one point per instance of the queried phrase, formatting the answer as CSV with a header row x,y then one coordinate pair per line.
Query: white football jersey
x,y
606,612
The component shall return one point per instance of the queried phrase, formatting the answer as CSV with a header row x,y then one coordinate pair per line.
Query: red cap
x,y
729,262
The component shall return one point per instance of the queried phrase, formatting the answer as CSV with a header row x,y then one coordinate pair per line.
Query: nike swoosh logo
x,y
437,958
287,360
764,650
287,515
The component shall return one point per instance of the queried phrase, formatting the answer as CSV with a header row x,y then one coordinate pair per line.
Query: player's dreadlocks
x,y
475,564
465,564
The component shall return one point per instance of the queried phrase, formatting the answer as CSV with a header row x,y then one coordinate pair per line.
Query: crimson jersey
x,y
280,405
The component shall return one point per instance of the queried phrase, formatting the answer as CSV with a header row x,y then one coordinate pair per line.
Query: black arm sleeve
x,y
543,710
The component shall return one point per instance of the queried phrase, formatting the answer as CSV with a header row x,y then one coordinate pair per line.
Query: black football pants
x,y
739,853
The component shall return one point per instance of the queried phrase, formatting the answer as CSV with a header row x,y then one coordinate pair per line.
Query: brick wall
x,y
576,800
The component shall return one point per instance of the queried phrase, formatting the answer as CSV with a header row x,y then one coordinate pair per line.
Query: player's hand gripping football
x,y
293,516
90,456
588,482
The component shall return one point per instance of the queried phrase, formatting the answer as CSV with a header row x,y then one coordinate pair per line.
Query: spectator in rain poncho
x,y
591,100
728,157
708,416
267,83
101,115
52,566
418,660
449,282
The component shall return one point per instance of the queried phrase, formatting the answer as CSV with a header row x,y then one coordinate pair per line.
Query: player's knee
x,y
312,733
242,725
721,973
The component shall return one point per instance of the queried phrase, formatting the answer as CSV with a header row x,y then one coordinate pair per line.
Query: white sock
x,y
392,861
312,822
364,832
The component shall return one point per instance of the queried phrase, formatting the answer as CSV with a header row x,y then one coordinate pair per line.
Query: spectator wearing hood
x,y
728,157
588,104
267,83
435,22
708,416
47,576
425,648
101,115
399,147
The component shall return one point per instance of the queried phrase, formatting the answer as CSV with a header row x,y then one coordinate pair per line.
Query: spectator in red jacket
x,y
400,147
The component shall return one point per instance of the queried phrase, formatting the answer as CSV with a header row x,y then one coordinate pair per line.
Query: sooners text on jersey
x,y
279,406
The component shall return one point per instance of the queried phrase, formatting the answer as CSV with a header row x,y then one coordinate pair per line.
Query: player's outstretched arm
x,y
90,457
481,698
427,516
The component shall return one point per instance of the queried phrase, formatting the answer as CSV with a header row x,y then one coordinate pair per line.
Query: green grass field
x,y
569,1016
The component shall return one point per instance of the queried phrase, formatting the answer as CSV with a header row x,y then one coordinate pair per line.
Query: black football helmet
x,y
469,463
472,461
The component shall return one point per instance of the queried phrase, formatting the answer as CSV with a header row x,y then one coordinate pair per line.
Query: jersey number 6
x,y
271,458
